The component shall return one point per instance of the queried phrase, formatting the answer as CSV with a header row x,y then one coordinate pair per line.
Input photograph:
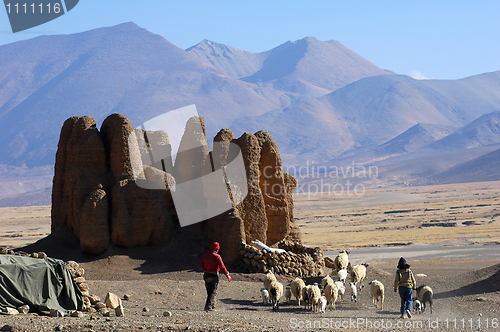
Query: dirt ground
x,y
165,279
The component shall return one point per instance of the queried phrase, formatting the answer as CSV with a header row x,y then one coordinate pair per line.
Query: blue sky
x,y
431,39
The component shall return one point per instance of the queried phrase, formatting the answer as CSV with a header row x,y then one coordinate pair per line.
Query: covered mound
x,y
43,284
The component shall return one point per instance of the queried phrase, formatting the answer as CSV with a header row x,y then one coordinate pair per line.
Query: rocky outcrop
x,y
121,156
80,171
94,228
155,149
273,188
120,186
294,234
191,164
139,216
252,210
225,150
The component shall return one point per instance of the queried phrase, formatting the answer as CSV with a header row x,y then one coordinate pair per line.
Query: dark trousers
x,y
405,293
211,283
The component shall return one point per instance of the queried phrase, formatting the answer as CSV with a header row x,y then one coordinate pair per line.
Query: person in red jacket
x,y
211,264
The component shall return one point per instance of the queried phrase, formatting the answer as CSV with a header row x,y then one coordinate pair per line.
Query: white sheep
x,y
325,281
354,292
265,296
424,295
331,294
342,260
358,274
275,292
268,279
313,295
322,304
341,289
288,294
296,287
417,306
342,275
377,293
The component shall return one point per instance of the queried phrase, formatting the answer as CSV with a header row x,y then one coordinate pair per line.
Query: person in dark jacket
x,y
405,283
211,264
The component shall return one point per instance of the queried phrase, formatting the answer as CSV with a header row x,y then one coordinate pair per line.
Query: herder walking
x,y
405,283
211,264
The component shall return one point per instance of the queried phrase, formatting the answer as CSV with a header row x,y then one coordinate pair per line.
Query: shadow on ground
x,y
182,253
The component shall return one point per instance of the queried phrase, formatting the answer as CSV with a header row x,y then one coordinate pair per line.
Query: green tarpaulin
x,y
43,284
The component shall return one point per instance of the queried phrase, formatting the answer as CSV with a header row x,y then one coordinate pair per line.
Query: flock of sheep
x,y
316,297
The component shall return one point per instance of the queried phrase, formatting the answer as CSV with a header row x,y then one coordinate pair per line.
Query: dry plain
x,y
376,228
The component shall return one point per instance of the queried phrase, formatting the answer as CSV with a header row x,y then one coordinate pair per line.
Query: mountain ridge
x,y
297,60
319,100
122,69
373,110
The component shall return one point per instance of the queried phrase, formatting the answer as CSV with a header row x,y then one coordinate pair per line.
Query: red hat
x,y
215,246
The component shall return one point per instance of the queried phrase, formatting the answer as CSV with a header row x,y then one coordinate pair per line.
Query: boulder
x,y
11,311
112,300
77,314
24,309
119,310
56,313
83,287
94,299
79,280
99,305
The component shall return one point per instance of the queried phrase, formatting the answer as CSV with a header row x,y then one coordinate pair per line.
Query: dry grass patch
x,y
20,226
467,212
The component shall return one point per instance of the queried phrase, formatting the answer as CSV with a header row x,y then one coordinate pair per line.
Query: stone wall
x,y
298,260
108,189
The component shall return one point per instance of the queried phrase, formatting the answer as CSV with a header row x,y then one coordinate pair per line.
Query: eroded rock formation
x,y
80,184
119,185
